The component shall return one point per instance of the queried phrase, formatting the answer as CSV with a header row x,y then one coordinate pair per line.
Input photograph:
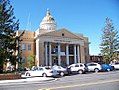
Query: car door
x,y
34,73
76,67
91,67
40,71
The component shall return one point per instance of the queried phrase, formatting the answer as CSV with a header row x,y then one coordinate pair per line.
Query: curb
x,y
34,79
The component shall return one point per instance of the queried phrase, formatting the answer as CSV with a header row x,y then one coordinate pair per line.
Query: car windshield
x,y
34,68
57,67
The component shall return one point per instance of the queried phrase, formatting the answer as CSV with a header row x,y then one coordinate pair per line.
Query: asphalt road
x,y
91,81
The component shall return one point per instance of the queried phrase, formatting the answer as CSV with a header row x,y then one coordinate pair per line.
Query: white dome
x,y
48,22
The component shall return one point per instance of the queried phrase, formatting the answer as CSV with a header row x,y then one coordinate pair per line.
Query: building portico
x,y
59,54
60,51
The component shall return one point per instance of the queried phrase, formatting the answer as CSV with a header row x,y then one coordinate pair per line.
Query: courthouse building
x,y
51,46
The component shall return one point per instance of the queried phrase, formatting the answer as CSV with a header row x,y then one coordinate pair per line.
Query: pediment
x,y
63,33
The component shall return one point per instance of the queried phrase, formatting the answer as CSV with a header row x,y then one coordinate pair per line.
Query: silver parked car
x,y
115,65
94,67
41,71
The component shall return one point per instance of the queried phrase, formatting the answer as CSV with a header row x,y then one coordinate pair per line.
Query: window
x,y
23,60
76,65
81,65
23,46
62,34
29,46
40,69
92,64
48,68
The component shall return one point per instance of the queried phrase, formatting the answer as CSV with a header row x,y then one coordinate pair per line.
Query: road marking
x,y
80,85
44,89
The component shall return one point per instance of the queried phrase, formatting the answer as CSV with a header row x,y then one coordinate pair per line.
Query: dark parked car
x,y
107,67
62,71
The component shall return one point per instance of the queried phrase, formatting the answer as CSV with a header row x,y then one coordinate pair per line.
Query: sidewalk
x,y
30,79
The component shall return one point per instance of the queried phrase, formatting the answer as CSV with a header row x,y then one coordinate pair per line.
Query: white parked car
x,y
94,67
62,71
78,67
41,71
115,65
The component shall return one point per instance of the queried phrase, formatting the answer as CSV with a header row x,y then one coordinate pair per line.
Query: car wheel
x,y
80,71
28,74
96,70
44,75
62,74
108,69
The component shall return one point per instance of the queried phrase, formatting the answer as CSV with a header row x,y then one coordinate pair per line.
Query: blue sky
x,y
78,16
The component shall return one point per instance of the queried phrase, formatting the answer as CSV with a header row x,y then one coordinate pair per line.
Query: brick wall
x,y
9,76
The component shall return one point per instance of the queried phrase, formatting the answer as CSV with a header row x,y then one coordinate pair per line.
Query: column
x,y
78,54
75,54
67,54
37,52
82,53
46,55
50,58
59,56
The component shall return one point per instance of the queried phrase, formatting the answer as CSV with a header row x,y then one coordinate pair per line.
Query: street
x,y
90,81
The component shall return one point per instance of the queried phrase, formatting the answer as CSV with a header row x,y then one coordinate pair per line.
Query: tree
x,y
8,27
110,41
31,60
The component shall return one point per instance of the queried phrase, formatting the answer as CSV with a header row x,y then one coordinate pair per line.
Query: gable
x,y
63,33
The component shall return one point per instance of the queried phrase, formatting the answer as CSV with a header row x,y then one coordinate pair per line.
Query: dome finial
x,y
48,11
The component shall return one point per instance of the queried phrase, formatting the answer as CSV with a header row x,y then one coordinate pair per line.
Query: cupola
x,y
48,23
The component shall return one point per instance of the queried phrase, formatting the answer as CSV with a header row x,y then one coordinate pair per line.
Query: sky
x,y
78,16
